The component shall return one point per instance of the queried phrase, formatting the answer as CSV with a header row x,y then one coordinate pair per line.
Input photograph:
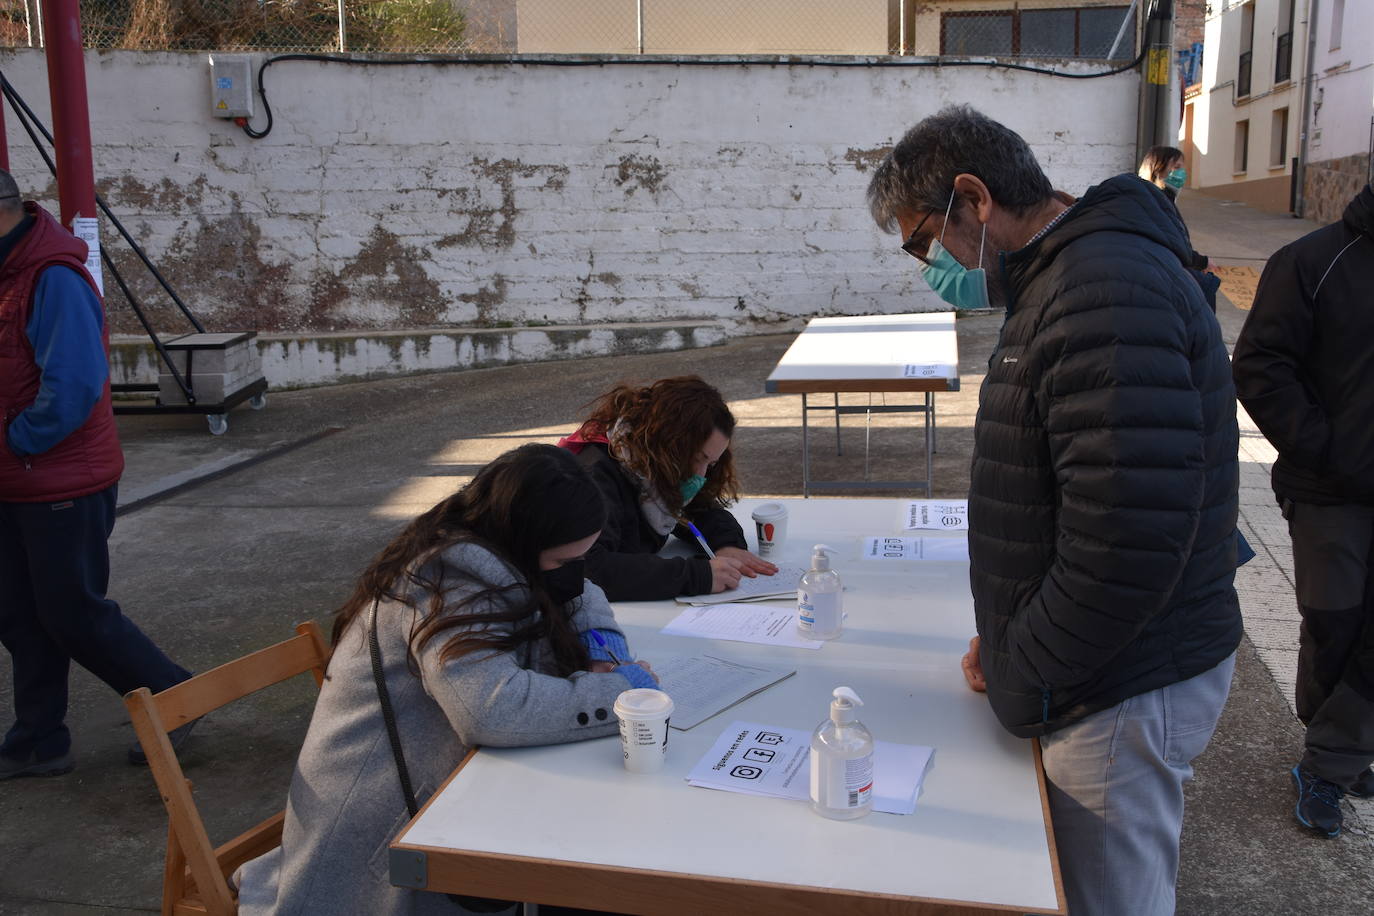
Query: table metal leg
x,y
839,448
930,444
934,427
806,448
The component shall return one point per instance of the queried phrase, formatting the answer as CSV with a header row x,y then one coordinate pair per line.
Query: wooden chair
x,y
195,876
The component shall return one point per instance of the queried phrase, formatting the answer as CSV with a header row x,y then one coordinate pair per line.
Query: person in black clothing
x,y
1103,495
1163,168
1304,370
660,454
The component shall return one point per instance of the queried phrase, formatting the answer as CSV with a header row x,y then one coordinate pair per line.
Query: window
x,y
1337,23
1247,45
1278,139
1242,156
1081,33
977,34
1283,45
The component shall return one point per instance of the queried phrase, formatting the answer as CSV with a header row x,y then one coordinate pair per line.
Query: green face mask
x,y
690,487
1177,178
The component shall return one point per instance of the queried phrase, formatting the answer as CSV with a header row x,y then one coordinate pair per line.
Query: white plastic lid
x,y
819,560
643,703
769,512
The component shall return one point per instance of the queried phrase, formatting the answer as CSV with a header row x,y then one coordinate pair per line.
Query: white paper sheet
x,y
903,549
783,583
755,759
757,623
936,514
702,685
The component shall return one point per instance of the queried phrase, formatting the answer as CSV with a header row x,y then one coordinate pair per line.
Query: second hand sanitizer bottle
x,y
819,593
842,761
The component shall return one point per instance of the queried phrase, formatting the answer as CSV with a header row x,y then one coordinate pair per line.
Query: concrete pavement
x,y
229,563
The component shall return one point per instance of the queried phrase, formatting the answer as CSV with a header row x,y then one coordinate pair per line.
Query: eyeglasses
x,y
913,246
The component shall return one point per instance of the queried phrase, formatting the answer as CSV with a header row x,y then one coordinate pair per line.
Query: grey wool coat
x,y
345,803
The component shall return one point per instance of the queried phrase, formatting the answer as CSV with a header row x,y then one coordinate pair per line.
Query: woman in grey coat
x,y
484,625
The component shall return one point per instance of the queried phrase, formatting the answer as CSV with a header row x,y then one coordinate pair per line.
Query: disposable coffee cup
x,y
770,523
643,714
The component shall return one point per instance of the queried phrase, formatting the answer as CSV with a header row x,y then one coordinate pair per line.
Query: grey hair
x,y
11,201
919,172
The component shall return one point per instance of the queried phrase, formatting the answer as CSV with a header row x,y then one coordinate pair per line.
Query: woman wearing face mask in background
x,y
1163,168
483,626
660,454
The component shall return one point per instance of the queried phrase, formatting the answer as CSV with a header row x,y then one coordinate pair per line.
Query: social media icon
x,y
744,771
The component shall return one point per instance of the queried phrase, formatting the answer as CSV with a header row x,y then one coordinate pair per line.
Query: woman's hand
x,y
645,665
725,573
753,565
601,667
973,668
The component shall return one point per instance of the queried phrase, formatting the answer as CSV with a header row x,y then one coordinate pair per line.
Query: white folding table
x,y
912,353
567,824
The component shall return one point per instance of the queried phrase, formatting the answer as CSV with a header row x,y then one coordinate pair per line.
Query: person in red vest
x,y
60,464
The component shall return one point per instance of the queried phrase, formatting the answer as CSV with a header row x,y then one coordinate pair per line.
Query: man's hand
x,y
751,565
973,668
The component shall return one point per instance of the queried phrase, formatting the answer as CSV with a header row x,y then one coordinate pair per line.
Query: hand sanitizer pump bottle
x,y
819,594
842,761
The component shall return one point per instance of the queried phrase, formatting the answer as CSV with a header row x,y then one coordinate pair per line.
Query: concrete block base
x,y
300,361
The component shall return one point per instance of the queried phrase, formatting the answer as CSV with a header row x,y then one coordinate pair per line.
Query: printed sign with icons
x,y
937,515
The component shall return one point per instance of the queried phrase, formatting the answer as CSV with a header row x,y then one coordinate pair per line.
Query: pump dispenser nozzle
x,y
819,560
842,707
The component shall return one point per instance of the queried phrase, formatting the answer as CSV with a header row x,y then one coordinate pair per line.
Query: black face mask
x,y
564,583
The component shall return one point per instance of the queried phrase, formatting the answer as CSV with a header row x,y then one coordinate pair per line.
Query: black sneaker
x,y
14,767
1319,803
1363,787
177,736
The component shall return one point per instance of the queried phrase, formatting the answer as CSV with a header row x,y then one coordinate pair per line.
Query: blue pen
x,y
601,641
701,540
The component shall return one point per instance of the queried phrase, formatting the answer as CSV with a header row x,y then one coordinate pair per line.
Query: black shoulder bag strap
x,y
388,715
470,904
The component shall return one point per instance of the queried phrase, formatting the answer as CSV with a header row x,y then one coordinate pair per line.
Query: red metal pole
x,y
71,125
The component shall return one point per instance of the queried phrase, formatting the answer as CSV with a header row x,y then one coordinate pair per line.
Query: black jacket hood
x,y
1126,204
1359,213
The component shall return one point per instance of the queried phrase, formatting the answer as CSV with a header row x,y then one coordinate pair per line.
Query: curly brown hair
x,y
657,431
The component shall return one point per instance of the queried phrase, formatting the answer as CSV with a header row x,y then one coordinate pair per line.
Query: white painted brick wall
x,y
402,197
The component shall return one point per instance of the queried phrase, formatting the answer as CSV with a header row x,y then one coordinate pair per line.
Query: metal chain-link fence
x,y
1073,30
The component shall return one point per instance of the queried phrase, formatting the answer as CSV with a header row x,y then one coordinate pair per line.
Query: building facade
x,y
1341,130
1242,126
1245,122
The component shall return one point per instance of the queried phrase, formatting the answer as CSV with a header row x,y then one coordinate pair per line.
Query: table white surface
x,y
871,353
979,832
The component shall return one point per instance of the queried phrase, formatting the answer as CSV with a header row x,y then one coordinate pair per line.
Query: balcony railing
x,y
1283,58
1243,76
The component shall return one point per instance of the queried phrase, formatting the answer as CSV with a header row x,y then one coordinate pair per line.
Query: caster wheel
x,y
218,422
258,401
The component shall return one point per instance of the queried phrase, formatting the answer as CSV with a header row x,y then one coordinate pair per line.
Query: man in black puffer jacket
x,y
1102,508
1304,369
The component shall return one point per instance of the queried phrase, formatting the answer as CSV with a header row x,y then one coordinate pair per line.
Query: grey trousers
x,y
1333,555
1115,784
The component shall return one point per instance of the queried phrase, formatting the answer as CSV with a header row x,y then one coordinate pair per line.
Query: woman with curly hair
x,y
660,454
475,623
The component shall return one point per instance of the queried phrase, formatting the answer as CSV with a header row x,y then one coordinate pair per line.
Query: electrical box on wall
x,y
231,85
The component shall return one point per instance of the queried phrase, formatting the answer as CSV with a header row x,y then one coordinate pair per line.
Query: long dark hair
x,y
662,428
526,501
